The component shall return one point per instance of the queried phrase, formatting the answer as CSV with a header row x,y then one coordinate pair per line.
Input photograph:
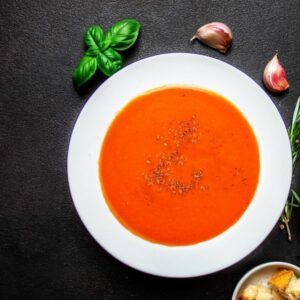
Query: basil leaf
x,y
85,70
123,34
93,37
93,51
109,61
296,196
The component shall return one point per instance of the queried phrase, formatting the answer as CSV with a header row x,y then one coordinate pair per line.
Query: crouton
x,y
264,294
296,290
249,293
281,280
293,289
276,295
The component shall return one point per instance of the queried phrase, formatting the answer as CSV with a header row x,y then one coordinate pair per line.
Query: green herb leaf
x,y
93,51
123,34
288,209
296,196
93,37
294,132
85,70
109,62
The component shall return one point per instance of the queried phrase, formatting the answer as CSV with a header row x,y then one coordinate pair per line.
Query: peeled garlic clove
x,y
215,35
274,76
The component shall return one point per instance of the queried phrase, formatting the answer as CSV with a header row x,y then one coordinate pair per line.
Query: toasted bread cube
x,y
296,290
293,289
290,288
276,295
249,293
264,294
281,279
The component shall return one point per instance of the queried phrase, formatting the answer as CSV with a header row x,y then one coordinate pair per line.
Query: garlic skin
x,y
215,35
274,76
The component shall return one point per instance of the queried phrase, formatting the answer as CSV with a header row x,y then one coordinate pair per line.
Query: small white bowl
x,y
261,274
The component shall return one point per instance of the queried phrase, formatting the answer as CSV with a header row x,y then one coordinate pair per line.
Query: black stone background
x,y
45,251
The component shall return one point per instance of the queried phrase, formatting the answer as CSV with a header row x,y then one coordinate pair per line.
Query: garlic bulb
x,y
274,76
215,35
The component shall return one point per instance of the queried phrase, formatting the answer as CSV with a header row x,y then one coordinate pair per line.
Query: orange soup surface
x,y
179,165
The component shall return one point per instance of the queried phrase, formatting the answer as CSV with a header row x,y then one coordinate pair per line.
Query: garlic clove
x,y
215,35
274,76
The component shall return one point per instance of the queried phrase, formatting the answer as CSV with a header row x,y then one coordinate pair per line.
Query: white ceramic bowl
x,y
259,218
261,274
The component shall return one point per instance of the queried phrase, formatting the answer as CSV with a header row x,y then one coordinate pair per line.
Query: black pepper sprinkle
x,y
159,175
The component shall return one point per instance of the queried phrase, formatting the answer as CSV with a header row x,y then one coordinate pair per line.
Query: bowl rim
x,y
258,268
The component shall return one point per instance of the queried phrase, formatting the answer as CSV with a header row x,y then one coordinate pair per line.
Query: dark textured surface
x,y
45,251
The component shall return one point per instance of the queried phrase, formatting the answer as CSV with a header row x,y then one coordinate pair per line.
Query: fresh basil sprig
x,y
103,49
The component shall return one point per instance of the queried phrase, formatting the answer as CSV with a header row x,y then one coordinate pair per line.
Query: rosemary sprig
x,y
294,131
294,198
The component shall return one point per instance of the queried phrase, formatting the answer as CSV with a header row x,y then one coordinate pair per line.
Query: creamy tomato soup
x,y
179,165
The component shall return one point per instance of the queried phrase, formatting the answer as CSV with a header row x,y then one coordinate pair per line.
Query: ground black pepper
x,y
185,131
